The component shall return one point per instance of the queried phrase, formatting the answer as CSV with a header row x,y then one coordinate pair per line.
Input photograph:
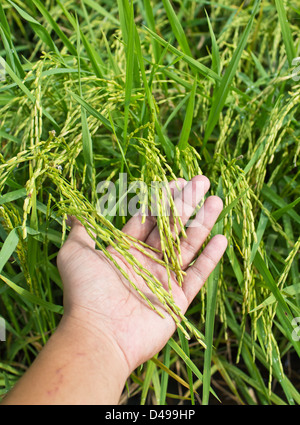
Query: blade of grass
x,y
9,136
259,66
281,211
193,63
41,31
11,54
147,381
188,120
130,64
47,73
169,372
261,227
247,350
277,200
166,372
22,86
119,144
8,247
166,144
103,12
185,346
11,51
211,304
3,21
87,144
255,382
31,298
216,66
276,366
226,376
126,14
229,207
12,196
285,292
175,111
114,64
222,91
96,114
151,24
71,48
93,56
286,31
178,350
177,28
68,15
289,230
156,385
283,312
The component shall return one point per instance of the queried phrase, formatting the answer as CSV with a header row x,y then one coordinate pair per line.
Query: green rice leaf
x,y
177,28
28,296
39,29
188,362
188,120
193,63
97,114
8,247
55,26
286,31
222,91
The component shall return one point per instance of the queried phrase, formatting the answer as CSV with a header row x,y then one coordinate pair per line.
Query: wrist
x,y
101,352
76,366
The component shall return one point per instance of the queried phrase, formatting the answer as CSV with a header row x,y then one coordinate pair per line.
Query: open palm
x,y
100,299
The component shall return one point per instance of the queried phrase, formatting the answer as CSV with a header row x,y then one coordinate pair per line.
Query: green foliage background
x,y
157,89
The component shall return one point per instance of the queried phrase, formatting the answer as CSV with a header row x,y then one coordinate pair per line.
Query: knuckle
x,y
199,274
189,246
209,258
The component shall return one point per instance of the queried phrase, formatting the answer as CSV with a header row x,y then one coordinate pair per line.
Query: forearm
x,y
74,367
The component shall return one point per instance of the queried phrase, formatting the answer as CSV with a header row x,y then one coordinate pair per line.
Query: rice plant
x,y
91,91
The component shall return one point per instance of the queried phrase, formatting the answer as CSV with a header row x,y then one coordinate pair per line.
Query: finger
x,y
199,229
140,230
185,204
198,273
78,234
176,187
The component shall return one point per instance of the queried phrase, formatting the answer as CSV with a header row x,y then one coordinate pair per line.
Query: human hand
x,y
97,297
